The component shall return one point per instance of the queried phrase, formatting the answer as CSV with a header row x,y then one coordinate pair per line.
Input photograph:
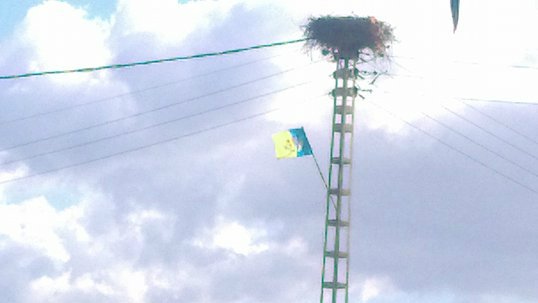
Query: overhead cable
x,y
135,92
490,133
154,125
155,109
474,159
488,116
147,146
517,66
502,101
149,62
480,145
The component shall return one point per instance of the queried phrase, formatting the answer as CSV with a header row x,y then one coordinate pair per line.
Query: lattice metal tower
x,y
335,272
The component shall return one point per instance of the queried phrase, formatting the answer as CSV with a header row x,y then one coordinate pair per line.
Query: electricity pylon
x,y
349,41
336,245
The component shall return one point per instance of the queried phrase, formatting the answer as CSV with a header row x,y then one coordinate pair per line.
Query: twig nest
x,y
348,37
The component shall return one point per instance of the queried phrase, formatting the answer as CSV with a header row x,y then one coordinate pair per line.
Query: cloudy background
x,y
445,186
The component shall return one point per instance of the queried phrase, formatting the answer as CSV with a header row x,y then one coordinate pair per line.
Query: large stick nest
x,y
348,37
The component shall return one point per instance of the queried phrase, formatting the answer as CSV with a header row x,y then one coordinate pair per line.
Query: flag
x,y
291,143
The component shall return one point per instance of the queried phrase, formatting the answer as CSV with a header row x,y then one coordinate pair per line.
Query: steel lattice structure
x,y
335,272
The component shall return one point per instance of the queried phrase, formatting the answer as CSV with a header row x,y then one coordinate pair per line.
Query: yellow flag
x,y
291,143
284,146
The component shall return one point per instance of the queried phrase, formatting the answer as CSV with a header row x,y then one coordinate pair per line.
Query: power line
x,y
483,164
162,123
517,66
149,62
490,133
134,92
487,100
481,145
501,101
141,113
146,146
515,131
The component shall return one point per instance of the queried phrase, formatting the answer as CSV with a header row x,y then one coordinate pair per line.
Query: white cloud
x,y
237,238
47,287
35,223
168,20
119,281
234,237
63,37
374,287
132,240
8,175
138,220
309,102
134,284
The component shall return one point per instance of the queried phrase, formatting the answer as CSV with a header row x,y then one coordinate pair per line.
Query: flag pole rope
x,y
322,177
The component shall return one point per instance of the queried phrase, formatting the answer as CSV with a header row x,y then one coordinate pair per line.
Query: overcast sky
x,y
445,180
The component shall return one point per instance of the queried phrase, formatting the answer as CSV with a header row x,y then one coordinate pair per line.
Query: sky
x,y
159,183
